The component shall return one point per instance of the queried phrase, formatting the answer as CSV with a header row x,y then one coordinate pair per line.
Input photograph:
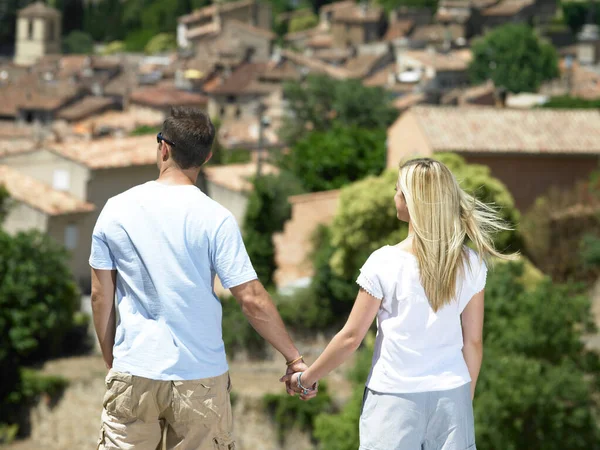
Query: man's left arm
x,y
103,311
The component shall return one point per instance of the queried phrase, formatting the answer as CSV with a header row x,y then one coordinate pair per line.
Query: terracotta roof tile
x,y
208,11
438,32
236,177
320,41
241,80
110,153
244,134
166,96
40,196
399,29
337,5
39,9
507,8
356,14
338,73
268,34
202,31
86,107
361,65
121,120
452,61
483,129
409,100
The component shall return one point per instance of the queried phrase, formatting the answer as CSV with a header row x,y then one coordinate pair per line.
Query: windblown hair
x,y
442,217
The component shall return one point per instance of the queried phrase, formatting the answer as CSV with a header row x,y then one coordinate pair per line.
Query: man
x,y
158,247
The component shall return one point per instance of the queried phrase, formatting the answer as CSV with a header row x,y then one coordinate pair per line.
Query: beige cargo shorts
x,y
144,414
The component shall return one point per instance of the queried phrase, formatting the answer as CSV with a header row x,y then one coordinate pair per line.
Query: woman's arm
x,y
346,341
472,329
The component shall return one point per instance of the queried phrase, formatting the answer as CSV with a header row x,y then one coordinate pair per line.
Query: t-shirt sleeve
x,y
101,256
369,279
481,278
230,258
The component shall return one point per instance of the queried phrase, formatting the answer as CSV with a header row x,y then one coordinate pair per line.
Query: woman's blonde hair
x,y
442,216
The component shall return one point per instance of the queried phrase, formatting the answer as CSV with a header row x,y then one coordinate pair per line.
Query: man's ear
x,y
208,157
164,151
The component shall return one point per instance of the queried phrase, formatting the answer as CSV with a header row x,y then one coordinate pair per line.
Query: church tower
x,y
38,33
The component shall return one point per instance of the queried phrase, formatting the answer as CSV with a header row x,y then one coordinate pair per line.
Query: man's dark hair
x,y
192,132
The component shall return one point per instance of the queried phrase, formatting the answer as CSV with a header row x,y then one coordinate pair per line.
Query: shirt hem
x,y
93,265
182,376
239,280
383,390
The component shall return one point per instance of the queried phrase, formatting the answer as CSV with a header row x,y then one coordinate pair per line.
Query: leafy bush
x,y
340,431
114,47
162,42
568,102
78,42
289,412
38,297
267,211
303,310
238,334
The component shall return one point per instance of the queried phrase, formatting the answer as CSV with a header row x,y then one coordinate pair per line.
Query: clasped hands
x,y
291,381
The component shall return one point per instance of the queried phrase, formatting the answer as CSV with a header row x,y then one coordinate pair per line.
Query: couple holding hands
x,y
157,247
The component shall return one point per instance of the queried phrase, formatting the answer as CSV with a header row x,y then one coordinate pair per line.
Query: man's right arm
x,y
262,314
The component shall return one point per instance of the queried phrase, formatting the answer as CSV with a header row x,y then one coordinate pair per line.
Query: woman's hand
x,y
291,381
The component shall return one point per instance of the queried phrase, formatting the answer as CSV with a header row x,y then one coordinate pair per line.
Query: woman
x,y
427,293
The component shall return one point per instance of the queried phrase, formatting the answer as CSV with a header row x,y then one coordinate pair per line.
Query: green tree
x,y
568,102
390,5
38,300
78,42
326,160
160,43
303,22
267,211
320,102
514,57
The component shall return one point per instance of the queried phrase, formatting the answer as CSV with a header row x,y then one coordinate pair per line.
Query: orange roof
x,y
111,152
208,11
494,130
165,96
39,195
236,177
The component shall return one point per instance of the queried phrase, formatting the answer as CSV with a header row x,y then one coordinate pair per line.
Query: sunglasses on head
x,y
160,138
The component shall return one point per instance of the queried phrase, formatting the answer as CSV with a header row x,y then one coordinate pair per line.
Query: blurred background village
x,y
316,103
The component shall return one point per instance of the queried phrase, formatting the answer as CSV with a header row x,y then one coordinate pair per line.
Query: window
x,y
30,29
71,236
61,180
238,112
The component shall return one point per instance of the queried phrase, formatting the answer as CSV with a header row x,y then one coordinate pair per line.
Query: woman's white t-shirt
x,y
417,349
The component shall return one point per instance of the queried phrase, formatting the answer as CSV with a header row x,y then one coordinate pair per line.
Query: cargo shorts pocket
x,y
196,401
224,441
118,398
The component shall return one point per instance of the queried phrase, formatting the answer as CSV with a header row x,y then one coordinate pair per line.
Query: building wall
x,y
348,33
263,15
78,255
23,217
260,44
294,244
405,139
234,201
531,176
231,107
245,14
52,169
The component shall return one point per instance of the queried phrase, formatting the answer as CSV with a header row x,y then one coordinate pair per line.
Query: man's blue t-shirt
x,y
167,242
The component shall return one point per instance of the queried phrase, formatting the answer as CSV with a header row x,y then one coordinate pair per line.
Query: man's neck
x,y
173,176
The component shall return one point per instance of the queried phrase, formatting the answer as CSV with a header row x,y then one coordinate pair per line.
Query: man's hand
x,y
299,366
